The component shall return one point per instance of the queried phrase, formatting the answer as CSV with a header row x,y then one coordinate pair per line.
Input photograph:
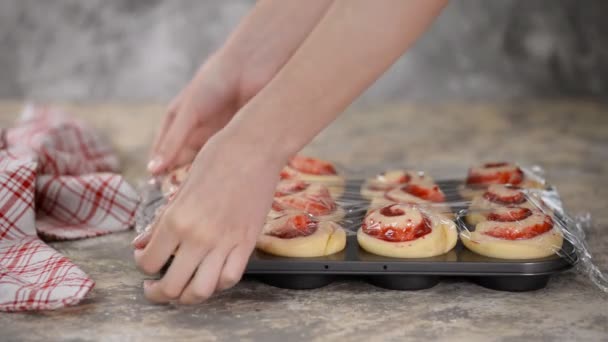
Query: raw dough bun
x,y
333,181
481,206
336,216
516,177
329,238
376,187
540,246
173,180
397,195
440,240
314,192
470,192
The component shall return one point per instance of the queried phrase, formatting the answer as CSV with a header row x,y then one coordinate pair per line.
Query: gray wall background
x,y
145,50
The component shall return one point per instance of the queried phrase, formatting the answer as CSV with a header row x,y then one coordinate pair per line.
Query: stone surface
x,y
569,139
143,49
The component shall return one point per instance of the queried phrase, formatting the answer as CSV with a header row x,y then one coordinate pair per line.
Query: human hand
x,y
212,224
201,109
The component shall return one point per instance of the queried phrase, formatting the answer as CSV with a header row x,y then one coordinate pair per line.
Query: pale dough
x,y
480,206
540,246
397,195
336,216
329,238
335,183
471,191
376,187
312,191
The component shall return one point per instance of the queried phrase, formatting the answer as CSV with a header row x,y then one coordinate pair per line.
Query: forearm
x,y
268,36
352,45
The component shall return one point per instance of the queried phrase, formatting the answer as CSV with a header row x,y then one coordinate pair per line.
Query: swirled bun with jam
x,y
496,196
406,231
314,199
480,177
301,235
420,190
377,186
514,233
313,170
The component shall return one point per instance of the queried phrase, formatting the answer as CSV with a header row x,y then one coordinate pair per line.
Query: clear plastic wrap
x,y
497,215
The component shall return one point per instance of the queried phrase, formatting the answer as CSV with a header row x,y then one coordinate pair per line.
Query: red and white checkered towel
x,y
57,182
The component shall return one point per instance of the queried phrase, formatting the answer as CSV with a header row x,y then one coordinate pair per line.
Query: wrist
x,y
251,143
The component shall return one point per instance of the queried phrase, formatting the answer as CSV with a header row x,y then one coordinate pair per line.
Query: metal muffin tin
x,y
408,274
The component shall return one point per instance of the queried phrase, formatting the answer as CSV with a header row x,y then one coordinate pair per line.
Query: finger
x,y
164,127
235,267
205,280
172,110
170,287
142,239
174,141
158,250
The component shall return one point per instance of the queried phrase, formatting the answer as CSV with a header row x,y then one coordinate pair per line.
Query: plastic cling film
x,y
152,201
497,211
574,233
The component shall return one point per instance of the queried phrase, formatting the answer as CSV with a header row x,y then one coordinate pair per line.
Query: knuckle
x,y
149,269
146,267
177,225
171,292
201,293
229,279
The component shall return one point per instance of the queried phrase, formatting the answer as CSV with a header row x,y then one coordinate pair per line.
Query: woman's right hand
x,y
251,57
203,107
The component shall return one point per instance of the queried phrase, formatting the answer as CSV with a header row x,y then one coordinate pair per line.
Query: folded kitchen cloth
x,y
57,182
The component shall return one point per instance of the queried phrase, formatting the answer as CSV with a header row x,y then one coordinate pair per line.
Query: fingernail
x,y
154,164
147,284
137,239
137,242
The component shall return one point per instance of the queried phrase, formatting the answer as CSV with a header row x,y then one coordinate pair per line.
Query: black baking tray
x,y
408,274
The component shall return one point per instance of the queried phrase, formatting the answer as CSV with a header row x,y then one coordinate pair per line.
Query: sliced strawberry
x,y
277,207
314,205
289,188
312,166
494,165
509,198
391,211
405,178
522,233
399,234
288,173
509,214
513,175
296,226
433,194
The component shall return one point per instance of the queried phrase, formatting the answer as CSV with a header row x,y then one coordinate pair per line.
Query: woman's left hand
x,y
212,224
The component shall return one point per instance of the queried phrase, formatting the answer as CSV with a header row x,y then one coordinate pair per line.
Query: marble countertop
x,y
568,139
